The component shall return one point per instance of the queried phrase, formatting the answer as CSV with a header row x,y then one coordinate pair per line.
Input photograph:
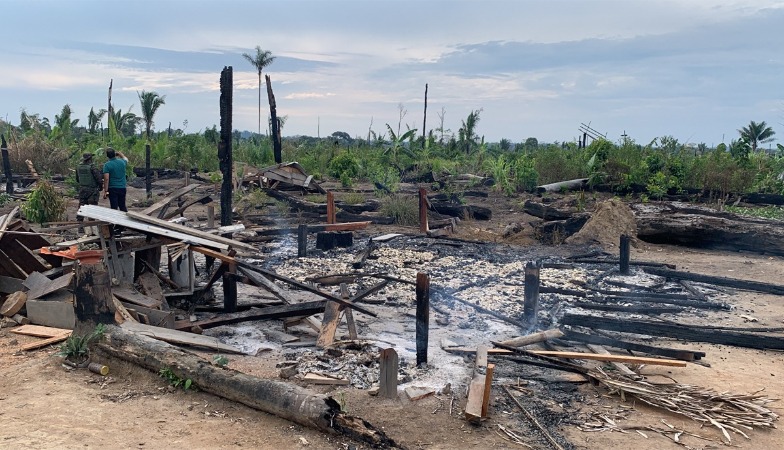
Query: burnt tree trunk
x,y
693,226
226,162
147,171
9,180
92,297
284,400
276,144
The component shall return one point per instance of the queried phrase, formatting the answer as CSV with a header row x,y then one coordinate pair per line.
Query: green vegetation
x,y
76,349
766,212
353,198
174,380
44,204
403,208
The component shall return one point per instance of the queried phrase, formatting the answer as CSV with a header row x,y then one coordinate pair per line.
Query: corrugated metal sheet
x,y
117,217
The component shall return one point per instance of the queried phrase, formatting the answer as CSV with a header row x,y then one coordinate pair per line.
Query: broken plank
x,y
45,342
169,198
534,338
272,312
131,296
417,393
684,355
261,281
156,317
329,325
190,231
313,378
599,350
9,285
488,388
40,331
179,337
476,395
578,355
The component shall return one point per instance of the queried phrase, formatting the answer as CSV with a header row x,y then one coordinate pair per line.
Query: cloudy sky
x,y
694,69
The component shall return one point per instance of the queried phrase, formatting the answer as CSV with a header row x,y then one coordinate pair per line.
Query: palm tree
x,y
124,123
150,102
260,60
64,125
93,119
757,133
467,133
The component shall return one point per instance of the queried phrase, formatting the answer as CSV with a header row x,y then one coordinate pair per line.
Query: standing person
x,y
114,187
90,181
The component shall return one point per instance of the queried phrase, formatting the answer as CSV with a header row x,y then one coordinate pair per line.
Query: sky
x,y
697,70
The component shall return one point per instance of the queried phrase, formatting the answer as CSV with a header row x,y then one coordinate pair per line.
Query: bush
x,y
44,204
345,164
403,208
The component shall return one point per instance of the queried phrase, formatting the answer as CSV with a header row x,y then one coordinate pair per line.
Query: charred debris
x,y
413,315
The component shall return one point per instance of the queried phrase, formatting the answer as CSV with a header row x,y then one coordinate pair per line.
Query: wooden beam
x,y
46,342
476,396
683,355
422,317
169,198
187,230
487,389
270,312
329,325
388,377
261,281
757,286
579,355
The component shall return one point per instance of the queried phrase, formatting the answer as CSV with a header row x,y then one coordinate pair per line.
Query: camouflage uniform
x,y
90,181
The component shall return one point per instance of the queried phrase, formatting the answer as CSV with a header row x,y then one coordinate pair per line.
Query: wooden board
x,y
190,231
272,312
40,331
179,337
157,318
10,285
131,296
42,288
314,378
329,324
45,342
476,395
417,393
51,313
578,355
168,199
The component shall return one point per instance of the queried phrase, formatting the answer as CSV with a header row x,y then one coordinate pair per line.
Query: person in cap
x,y
90,181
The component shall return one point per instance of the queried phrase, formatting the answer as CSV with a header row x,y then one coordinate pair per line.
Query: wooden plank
x,y
131,296
157,318
263,282
42,289
22,256
9,267
179,337
481,358
40,331
272,312
169,198
599,350
51,313
719,281
10,285
476,395
417,393
189,231
487,389
578,355
350,324
684,355
314,378
329,325
45,342
151,287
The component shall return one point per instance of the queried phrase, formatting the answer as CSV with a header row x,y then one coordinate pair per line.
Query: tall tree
x,y
757,133
467,133
260,60
150,102
64,125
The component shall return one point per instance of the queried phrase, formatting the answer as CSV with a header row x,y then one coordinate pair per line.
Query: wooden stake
x,y
488,385
624,258
423,203
531,290
331,208
9,176
388,376
422,316
302,240
352,327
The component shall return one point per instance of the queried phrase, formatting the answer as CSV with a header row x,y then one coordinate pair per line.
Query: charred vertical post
x,y
302,240
531,303
331,208
92,296
276,144
387,380
624,257
226,161
147,170
422,316
9,176
423,205
209,260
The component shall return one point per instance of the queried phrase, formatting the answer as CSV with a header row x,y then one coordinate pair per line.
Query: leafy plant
x,y
220,361
5,199
44,204
76,349
175,380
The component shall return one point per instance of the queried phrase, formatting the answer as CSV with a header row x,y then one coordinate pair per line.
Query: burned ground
x,y
45,405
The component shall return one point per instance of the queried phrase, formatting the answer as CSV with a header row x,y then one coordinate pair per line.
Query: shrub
x,y
403,208
44,204
344,164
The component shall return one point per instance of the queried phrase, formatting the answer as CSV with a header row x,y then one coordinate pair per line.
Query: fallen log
x,y
546,212
274,397
757,286
533,338
463,211
694,226
555,231
568,185
677,331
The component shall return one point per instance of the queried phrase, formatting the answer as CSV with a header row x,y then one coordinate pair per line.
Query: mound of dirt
x,y
611,219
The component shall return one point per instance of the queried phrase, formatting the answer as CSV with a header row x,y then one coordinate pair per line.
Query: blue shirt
x,y
115,167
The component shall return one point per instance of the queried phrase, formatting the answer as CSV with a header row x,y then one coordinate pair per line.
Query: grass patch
x,y
766,212
403,208
353,198
316,198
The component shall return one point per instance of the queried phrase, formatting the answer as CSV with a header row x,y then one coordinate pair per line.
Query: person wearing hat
x,y
90,181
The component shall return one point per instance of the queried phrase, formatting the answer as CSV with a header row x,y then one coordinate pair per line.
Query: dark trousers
x,y
117,198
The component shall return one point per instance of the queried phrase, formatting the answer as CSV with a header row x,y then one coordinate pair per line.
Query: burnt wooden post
x,y
422,316
531,303
147,170
276,144
624,257
387,385
424,121
331,208
225,157
423,226
302,240
209,260
9,176
92,296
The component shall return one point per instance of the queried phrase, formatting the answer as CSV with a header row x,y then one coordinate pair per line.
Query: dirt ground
x,y
44,405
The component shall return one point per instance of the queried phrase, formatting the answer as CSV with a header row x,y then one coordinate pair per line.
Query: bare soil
x,y
44,405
